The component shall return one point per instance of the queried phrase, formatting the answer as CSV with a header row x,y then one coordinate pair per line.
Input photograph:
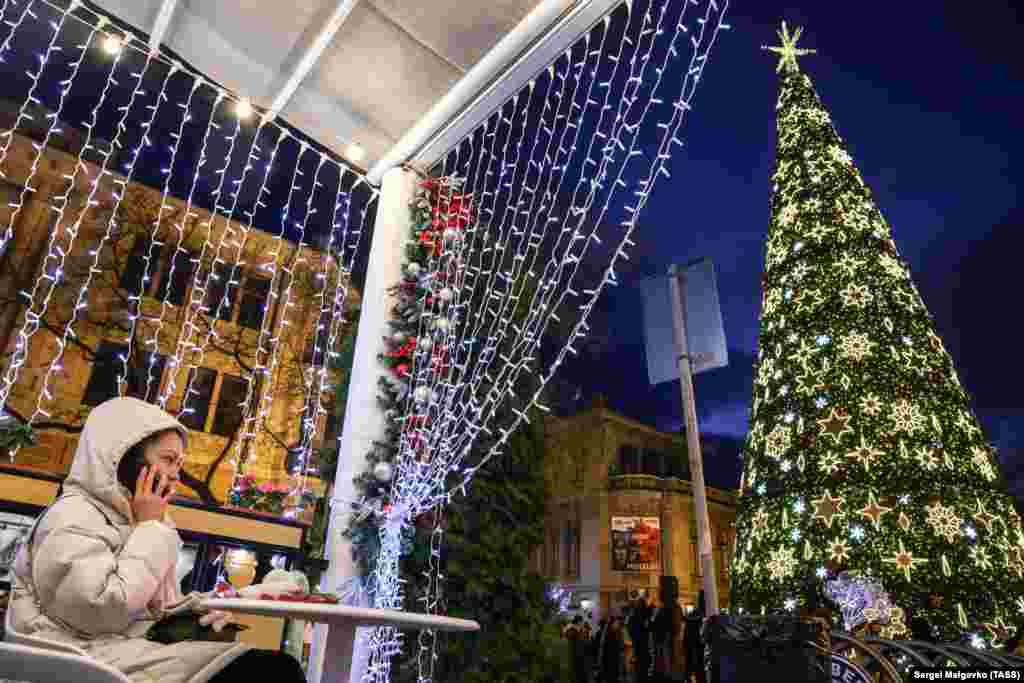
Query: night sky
x,y
928,100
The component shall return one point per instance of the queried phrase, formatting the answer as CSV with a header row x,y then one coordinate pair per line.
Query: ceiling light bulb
x,y
355,152
111,45
243,109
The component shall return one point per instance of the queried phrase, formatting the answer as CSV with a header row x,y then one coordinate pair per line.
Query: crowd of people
x,y
647,643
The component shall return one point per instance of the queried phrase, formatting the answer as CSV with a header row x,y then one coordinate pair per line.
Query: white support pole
x,y
334,659
312,55
161,23
700,501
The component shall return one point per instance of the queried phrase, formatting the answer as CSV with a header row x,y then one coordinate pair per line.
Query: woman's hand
x,y
215,618
150,500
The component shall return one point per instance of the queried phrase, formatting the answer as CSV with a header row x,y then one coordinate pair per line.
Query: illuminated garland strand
x,y
82,300
228,232
274,341
135,301
191,306
33,320
15,25
179,227
31,98
670,134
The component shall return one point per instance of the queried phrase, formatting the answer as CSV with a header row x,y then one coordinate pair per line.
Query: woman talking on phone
x,y
98,569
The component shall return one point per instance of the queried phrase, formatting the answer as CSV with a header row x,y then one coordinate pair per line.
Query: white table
x,y
341,621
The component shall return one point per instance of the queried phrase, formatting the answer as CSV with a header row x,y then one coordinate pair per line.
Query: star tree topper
x,y
788,51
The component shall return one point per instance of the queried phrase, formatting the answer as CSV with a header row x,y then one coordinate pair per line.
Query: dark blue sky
x,y
929,101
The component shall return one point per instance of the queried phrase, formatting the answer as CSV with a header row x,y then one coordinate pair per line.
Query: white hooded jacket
x,y
91,578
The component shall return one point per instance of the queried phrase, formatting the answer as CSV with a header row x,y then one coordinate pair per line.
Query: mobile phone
x,y
129,471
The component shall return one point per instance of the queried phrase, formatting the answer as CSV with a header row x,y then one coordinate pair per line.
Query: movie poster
x,y
636,544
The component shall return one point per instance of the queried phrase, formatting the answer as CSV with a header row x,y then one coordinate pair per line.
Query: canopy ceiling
x,y
387,63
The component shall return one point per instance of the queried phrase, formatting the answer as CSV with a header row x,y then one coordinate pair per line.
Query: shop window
x,y
174,286
220,292
106,366
135,268
230,409
629,460
201,381
255,294
653,463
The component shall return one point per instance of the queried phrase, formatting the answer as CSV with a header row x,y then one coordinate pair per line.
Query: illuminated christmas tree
x,y
863,453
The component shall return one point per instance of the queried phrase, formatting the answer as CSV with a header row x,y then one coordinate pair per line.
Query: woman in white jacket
x,y
99,566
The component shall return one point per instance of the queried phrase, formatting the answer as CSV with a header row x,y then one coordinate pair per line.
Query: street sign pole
x,y
704,546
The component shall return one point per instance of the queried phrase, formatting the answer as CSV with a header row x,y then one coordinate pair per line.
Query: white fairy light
x,y
81,302
153,342
135,300
48,279
112,45
243,109
197,294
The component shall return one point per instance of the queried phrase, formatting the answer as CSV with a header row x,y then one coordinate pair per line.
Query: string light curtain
x,y
553,185
223,171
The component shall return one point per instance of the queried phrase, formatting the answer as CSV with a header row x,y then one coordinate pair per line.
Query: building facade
x,y
620,511
171,281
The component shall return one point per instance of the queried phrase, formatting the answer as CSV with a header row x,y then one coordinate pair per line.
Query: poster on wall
x,y
636,544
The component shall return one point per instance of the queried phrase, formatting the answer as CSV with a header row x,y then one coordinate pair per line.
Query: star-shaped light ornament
x,y
839,550
835,425
828,508
904,560
865,454
873,510
983,516
788,51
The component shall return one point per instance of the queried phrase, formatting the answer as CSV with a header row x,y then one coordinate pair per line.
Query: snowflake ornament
x,y
856,296
856,346
907,417
944,521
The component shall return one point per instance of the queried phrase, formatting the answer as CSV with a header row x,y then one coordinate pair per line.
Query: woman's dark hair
x,y
134,460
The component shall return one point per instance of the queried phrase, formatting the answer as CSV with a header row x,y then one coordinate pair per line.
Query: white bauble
x,y
446,294
425,343
383,471
442,324
423,394
413,269
398,337
450,234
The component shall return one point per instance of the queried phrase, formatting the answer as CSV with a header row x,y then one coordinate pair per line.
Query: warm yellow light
x,y
112,45
243,109
355,152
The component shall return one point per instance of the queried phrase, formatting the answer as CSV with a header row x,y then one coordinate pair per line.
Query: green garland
x,y
414,295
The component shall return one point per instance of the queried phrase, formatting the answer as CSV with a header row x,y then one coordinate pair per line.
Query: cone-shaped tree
x,y
863,453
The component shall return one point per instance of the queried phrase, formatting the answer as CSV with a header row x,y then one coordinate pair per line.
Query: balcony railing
x,y
650,482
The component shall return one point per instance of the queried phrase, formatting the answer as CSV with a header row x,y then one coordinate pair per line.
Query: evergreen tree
x,y
863,453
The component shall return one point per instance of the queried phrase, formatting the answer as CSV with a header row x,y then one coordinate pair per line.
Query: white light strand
x,y
193,303
81,302
247,430
199,304
669,136
153,342
16,24
324,345
283,306
33,320
23,115
135,300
